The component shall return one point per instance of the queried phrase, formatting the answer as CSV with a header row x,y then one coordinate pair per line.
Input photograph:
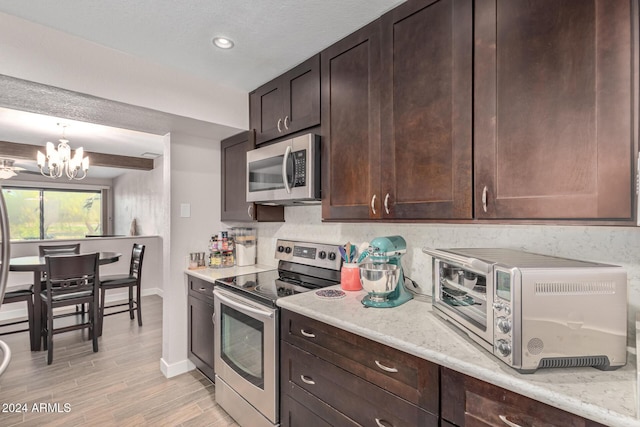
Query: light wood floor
x,y
119,385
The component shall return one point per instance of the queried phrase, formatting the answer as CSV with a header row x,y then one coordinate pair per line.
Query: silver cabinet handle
x,y
385,368
383,423
373,204
250,211
213,318
386,203
307,334
484,198
279,127
507,422
286,119
203,289
307,380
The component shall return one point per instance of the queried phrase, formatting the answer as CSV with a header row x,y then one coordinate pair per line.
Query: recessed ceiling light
x,y
223,42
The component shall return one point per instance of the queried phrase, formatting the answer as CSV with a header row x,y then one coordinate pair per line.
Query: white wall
x,y
615,245
139,195
151,271
194,180
36,53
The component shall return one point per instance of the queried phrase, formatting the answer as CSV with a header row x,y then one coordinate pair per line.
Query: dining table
x,y
37,265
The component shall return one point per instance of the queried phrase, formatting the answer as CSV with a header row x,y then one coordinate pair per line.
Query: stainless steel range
x,y
247,328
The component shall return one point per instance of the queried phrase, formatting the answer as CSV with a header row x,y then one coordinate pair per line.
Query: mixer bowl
x,y
379,280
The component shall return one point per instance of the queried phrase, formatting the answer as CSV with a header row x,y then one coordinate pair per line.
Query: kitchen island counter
x,y
605,397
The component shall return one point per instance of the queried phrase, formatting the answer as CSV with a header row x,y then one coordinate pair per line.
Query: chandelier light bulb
x,y
58,162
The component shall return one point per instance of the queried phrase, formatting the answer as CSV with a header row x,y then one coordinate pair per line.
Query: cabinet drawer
x,y
470,402
360,400
310,411
199,287
412,378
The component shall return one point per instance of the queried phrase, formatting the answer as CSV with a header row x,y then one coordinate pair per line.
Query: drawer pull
x,y
203,289
307,380
383,423
385,368
307,334
507,422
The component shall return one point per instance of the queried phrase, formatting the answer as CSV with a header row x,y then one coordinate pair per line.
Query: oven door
x,y
245,348
463,295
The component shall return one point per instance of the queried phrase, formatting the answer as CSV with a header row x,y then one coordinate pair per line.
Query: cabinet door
x,y
351,126
288,103
301,91
426,110
234,205
470,402
201,332
266,111
555,96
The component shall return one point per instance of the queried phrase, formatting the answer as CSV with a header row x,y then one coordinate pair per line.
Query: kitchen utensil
x,y
364,251
383,277
343,253
347,250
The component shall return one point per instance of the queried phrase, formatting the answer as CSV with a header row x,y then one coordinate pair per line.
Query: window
x,y
38,213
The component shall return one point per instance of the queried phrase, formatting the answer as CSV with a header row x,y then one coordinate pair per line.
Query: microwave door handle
x,y
287,153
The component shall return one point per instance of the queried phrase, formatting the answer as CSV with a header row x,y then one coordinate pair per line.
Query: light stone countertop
x,y
606,397
212,274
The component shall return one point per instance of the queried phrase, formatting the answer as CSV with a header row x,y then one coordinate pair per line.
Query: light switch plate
x,y
185,210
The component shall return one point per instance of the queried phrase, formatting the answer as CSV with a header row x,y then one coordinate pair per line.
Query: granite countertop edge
x,y
451,349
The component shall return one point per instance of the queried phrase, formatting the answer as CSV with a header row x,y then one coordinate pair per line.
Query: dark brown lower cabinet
x,y
468,402
340,378
201,327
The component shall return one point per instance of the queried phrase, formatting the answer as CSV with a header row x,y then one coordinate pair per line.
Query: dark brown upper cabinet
x,y
351,126
287,104
234,205
397,116
426,110
555,92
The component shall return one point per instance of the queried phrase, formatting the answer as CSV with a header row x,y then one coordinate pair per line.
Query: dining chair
x,y
70,280
20,294
131,280
65,249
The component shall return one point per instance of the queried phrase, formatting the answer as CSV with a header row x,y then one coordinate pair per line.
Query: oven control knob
x,y
280,248
504,325
503,347
332,256
322,254
287,250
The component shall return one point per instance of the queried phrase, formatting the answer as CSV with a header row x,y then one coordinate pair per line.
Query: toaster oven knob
x,y
504,325
497,306
503,347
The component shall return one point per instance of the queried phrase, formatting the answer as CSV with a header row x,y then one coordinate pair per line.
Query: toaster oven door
x,y
465,296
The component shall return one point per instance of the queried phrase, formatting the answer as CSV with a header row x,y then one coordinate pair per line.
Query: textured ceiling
x,y
271,36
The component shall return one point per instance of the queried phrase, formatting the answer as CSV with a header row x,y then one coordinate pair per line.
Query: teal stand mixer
x,y
382,276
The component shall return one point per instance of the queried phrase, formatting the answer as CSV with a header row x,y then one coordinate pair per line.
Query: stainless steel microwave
x,y
285,173
534,311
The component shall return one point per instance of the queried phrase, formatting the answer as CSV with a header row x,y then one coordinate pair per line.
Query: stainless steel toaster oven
x,y
534,311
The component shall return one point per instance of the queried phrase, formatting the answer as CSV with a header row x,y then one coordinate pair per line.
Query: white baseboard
x,y
175,369
110,297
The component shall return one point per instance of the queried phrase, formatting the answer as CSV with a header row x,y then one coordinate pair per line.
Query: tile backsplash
x,y
614,245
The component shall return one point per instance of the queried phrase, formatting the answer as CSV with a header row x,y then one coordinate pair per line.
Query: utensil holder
x,y
350,277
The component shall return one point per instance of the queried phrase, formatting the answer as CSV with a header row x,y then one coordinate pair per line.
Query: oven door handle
x,y
240,305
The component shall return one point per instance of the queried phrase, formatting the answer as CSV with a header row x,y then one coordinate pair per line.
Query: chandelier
x,y
59,161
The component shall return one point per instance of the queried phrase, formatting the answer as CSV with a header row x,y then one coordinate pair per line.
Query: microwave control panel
x,y
299,168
